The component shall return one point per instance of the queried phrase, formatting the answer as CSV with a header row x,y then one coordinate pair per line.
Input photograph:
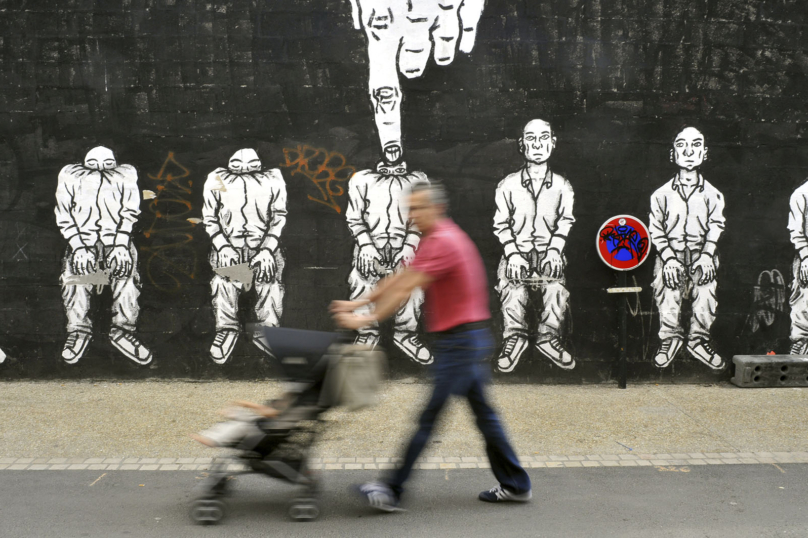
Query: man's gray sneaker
x,y
499,494
412,346
75,346
128,344
380,496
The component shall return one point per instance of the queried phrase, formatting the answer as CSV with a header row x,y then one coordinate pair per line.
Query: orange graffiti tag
x,y
326,169
171,256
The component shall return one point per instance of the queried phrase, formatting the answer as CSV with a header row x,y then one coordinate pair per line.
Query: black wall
x,y
198,79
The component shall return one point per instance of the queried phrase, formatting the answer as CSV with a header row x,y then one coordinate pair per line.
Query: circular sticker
x,y
623,242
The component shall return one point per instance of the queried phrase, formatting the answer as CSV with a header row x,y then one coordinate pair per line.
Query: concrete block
x,y
753,371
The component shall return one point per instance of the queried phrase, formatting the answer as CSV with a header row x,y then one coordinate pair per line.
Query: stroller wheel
x,y
304,509
207,511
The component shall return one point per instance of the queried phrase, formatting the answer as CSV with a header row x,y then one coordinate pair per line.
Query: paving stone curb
x,y
429,463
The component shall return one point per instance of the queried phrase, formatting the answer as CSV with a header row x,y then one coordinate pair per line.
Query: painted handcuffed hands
x,y
517,267
404,257
84,261
707,266
672,272
803,273
553,264
228,256
400,40
366,260
264,266
119,260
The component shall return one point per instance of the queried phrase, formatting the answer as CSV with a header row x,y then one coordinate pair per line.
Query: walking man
x,y
686,220
97,205
450,269
532,221
244,214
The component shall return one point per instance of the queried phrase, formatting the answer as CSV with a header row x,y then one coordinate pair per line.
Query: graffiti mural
x,y
328,170
798,226
171,259
686,221
401,37
532,221
244,214
97,205
385,240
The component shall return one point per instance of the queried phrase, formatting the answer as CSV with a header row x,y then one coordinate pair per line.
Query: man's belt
x,y
466,327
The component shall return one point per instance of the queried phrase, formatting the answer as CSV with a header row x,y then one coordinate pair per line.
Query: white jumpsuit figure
x,y
97,204
244,213
798,226
385,238
532,221
686,220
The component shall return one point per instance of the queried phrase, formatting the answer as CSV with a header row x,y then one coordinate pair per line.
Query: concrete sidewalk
x,y
153,419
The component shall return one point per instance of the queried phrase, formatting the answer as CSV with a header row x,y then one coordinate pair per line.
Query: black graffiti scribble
x,y
624,242
768,301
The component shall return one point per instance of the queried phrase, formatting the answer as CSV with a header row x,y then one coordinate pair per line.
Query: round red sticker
x,y
623,242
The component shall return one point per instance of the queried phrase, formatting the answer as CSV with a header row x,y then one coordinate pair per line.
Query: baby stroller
x,y
324,371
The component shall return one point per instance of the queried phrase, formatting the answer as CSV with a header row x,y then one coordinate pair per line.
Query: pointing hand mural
x,y
97,205
244,213
402,36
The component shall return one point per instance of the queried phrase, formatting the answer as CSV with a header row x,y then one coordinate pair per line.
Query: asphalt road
x,y
705,501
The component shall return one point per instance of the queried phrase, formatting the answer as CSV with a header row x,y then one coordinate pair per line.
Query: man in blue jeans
x,y
450,269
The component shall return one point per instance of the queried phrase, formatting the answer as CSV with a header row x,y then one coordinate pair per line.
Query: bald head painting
x,y
532,220
686,220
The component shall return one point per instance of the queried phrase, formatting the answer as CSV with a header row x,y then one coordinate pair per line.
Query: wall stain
x,y
326,169
171,258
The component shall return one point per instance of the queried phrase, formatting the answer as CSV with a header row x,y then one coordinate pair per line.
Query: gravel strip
x,y
152,419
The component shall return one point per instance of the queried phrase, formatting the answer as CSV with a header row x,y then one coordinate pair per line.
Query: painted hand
x,y
672,272
517,267
347,320
803,275
83,261
400,39
553,264
367,259
228,256
404,257
707,266
120,261
264,262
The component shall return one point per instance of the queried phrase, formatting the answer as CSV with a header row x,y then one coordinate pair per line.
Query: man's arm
x,y
210,210
715,224
502,220
564,220
656,226
796,224
388,300
64,218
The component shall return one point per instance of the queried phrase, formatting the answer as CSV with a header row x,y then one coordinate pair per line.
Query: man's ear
x,y
673,159
706,154
554,141
521,144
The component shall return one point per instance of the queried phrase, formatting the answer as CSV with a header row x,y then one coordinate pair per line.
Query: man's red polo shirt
x,y
459,292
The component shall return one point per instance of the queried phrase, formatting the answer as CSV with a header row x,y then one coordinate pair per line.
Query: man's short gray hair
x,y
437,194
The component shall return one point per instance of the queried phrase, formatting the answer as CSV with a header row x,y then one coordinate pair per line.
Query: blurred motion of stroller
x,y
324,370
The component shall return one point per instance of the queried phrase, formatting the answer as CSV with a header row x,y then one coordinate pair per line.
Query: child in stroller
x,y
275,438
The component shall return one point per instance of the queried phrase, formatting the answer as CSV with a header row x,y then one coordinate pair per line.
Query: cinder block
x,y
770,371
